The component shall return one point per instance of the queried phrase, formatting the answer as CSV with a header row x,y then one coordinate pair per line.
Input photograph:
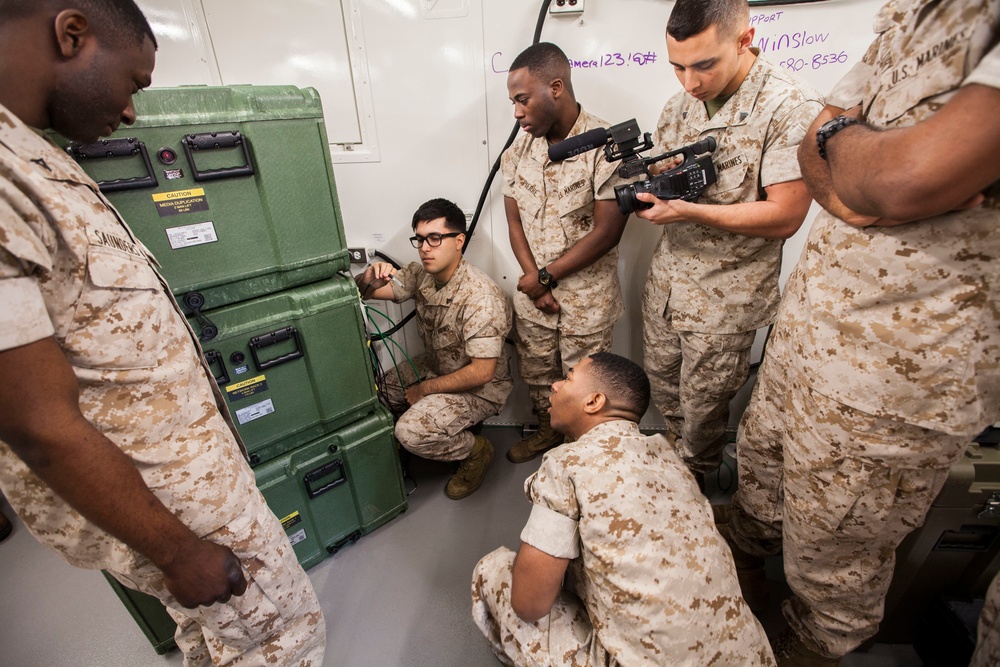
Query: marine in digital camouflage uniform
x,y
116,449
650,580
463,318
467,318
562,218
713,279
885,361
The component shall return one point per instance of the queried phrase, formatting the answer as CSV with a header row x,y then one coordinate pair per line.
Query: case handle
x,y
325,470
268,339
213,356
112,148
213,141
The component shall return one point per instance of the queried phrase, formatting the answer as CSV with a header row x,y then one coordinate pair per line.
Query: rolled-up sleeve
x,y
551,532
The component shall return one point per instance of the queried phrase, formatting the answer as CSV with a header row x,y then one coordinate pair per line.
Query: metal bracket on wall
x,y
566,7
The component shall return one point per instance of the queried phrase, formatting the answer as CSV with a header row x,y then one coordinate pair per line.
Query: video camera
x,y
624,142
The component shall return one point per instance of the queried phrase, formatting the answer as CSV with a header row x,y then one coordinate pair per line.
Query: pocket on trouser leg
x,y
244,622
855,502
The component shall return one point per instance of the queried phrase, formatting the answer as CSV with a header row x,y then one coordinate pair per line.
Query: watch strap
x,y
830,128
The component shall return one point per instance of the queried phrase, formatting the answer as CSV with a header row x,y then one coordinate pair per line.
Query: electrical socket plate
x,y
358,255
566,7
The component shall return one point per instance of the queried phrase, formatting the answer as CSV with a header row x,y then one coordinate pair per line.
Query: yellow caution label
x,y
247,388
291,520
179,194
179,202
245,383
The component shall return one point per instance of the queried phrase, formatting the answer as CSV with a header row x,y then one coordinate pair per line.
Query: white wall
x,y
416,101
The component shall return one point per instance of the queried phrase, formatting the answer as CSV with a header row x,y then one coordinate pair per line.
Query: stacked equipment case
x,y
232,189
953,556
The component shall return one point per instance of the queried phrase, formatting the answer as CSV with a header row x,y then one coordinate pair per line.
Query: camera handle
x,y
632,166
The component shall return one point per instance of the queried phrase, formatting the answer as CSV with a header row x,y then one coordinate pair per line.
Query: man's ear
x,y
595,403
557,87
746,40
460,241
72,32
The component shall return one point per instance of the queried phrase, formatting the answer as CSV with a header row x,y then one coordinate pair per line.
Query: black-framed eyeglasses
x,y
433,240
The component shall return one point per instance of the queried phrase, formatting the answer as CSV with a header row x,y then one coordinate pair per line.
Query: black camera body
x,y
685,181
624,142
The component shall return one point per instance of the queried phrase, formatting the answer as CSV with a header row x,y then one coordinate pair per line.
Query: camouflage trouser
x,y
693,376
839,489
545,355
564,637
436,427
988,643
277,621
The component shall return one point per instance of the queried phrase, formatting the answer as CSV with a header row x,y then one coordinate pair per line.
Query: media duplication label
x,y
180,201
255,411
191,235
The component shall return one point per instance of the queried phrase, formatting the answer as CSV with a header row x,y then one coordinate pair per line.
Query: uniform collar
x,y
443,296
620,427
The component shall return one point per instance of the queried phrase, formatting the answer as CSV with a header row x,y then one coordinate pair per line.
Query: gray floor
x,y
399,596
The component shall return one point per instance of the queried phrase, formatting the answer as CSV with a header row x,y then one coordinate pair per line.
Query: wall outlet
x,y
566,7
358,255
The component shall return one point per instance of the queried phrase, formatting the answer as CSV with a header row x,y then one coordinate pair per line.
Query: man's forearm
x,y
41,421
763,219
609,224
45,428
471,376
95,478
925,169
816,171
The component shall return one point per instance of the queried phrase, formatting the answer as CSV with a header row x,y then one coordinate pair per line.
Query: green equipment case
x,y
230,187
149,614
955,553
332,491
293,365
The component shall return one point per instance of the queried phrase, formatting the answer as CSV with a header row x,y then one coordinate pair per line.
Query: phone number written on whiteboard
x,y
616,60
817,61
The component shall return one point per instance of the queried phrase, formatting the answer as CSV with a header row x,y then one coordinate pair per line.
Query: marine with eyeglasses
x,y
463,318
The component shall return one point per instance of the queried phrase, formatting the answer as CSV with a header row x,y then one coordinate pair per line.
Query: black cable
x,y
394,263
486,188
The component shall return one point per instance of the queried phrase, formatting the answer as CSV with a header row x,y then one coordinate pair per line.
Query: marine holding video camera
x,y
685,180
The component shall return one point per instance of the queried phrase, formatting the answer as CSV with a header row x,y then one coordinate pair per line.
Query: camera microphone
x,y
581,143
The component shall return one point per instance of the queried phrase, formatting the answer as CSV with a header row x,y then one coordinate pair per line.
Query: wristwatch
x,y
830,128
545,278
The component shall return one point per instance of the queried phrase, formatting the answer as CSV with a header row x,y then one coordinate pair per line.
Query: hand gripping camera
x,y
624,142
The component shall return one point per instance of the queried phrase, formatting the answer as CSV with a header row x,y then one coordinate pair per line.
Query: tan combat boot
x,y
790,651
471,471
540,441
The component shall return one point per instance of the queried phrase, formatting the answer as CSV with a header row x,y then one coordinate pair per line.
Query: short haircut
x,y
545,61
120,20
622,380
691,17
454,219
